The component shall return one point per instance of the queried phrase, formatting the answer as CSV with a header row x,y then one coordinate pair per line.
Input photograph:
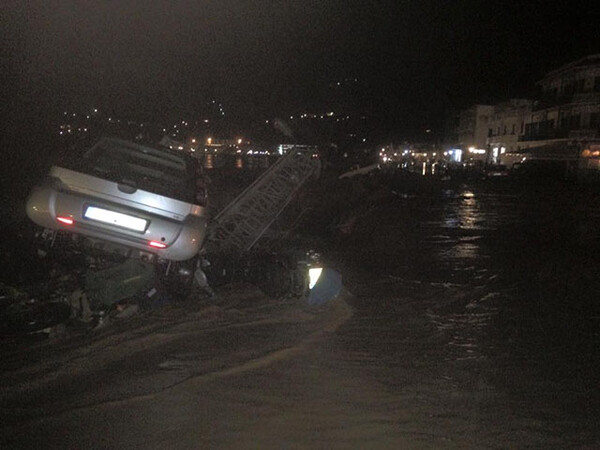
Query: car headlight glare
x,y
313,276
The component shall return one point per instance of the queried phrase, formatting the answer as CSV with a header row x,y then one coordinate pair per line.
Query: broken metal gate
x,y
241,223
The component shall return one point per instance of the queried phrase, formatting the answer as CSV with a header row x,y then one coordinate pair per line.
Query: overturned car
x,y
123,198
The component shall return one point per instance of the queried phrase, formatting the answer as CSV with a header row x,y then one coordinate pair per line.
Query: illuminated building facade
x,y
563,123
565,119
506,127
467,131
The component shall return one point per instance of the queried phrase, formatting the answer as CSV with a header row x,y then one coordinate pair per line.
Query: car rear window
x,y
149,169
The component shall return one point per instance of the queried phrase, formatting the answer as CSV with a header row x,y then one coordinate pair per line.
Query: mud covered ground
x,y
144,357
469,319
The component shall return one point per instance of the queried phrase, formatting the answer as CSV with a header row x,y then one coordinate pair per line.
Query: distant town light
x,y
476,151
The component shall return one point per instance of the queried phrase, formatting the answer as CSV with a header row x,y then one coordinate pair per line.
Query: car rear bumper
x,y
182,239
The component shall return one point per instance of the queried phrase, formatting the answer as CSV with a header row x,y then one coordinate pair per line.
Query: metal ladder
x,y
241,223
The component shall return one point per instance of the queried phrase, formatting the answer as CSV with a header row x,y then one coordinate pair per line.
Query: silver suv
x,y
126,198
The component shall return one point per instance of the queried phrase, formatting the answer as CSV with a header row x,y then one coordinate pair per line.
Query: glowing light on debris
x,y
313,274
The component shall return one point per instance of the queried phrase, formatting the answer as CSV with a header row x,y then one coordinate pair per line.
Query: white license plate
x,y
115,218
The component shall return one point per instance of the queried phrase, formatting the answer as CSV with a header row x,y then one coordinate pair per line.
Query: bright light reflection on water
x,y
493,311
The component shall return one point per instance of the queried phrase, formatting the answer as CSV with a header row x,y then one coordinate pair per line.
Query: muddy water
x,y
475,325
478,305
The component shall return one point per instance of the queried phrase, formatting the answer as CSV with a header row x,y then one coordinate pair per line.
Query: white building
x,y
565,120
562,124
467,131
506,126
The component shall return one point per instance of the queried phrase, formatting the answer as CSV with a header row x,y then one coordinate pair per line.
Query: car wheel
x,y
179,277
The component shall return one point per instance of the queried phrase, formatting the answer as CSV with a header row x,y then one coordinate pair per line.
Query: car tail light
x,y
157,244
65,220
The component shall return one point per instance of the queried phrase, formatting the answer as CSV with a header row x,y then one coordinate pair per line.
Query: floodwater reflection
x,y
488,315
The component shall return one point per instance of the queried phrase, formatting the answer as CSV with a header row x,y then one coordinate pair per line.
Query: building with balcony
x,y
565,119
506,126
561,124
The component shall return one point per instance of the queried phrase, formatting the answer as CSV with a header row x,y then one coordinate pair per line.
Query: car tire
x,y
178,277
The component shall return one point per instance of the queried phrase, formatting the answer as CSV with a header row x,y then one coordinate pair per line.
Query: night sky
x,y
161,59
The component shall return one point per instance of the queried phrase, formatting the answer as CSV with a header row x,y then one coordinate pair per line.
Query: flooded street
x,y
300,225
473,324
478,303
